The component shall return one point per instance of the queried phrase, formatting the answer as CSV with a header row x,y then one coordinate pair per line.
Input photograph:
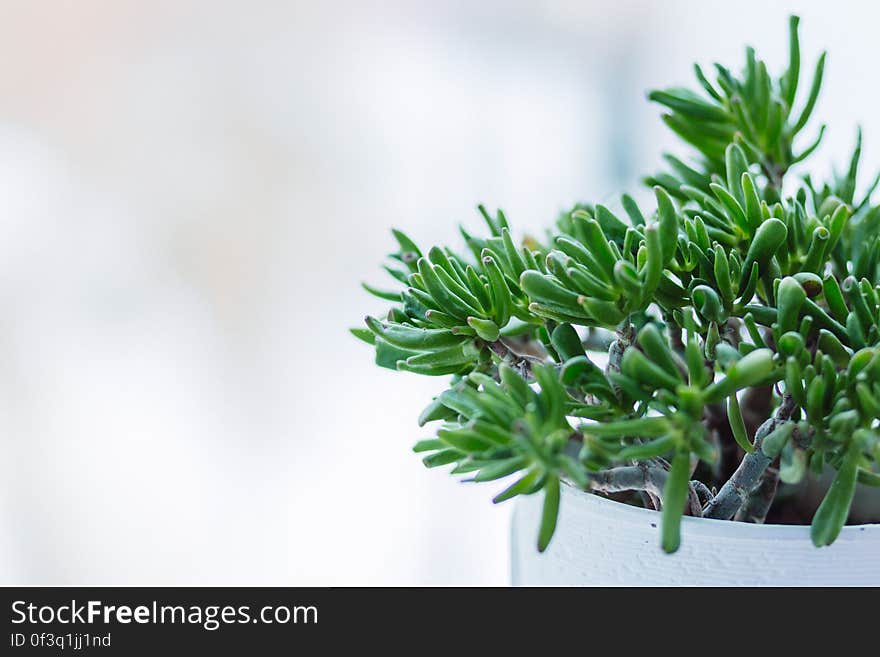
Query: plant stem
x,y
643,477
625,335
702,491
521,362
624,338
695,507
737,489
649,500
758,504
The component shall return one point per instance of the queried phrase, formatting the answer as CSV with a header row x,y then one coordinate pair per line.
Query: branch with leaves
x,y
741,278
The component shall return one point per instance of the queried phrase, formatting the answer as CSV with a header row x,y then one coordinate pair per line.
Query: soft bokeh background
x,y
190,193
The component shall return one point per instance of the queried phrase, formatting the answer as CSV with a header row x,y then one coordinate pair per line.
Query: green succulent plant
x,y
688,358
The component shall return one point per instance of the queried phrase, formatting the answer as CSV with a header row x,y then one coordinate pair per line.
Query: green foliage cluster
x,y
633,338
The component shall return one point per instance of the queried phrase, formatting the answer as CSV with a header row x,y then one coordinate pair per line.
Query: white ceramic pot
x,y
599,542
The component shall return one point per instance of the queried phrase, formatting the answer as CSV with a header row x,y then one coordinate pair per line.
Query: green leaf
x,y
459,289
444,457
387,295
645,427
752,368
752,203
709,304
768,238
500,292
675,494
737,426
733,207
809,150
830,345
721,271
430,445
832,513
552,394
867,478
448,301
363,334
388,355
435,411
546,291
626,277
737,165
495,226
811,99
668,223
515,384
637,366
463,440
791,343
584,281
573,470
597,243
550,512
578,368
704,82
815,260
485,328
632,210
815,405
500,435
790,296
689,104
499,469
777,439
406,244
792,464
657,348
567,342
603,313
412,338
790,79
648,450
652,272
460,354
523,486
610,223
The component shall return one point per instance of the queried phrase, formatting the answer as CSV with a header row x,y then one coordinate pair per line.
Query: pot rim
x,y
712,527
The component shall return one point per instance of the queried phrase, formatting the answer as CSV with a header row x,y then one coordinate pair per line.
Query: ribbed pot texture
x,y
599,542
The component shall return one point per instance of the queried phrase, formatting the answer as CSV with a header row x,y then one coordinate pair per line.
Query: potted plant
x,y
703,368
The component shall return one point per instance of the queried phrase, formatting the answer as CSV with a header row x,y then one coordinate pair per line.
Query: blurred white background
x,y
190,194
